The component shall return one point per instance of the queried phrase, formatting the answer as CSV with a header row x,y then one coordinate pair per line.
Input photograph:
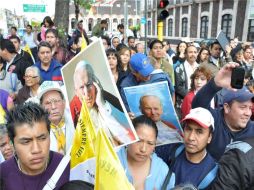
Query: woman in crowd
x,y
115,40
180,53
203,55
114,63
143,168
198,79
46,24
125,56
32,83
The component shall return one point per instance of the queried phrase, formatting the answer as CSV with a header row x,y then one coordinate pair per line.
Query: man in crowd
x,y
14,62
16,42
59,52
191,162
124,36
30,39
6,147
29,129
142,73
151,106
131,41
99,28
50,69
61,124
80,31
232,121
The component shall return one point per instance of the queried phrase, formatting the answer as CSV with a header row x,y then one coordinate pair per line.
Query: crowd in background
x,y
198,78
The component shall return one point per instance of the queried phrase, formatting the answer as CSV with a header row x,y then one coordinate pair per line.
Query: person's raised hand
x,y
223,77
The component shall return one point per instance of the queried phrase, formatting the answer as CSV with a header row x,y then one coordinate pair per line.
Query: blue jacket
x,y
158,171
53,73
222,135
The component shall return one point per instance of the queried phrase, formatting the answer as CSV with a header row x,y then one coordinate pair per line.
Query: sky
x,y
17,5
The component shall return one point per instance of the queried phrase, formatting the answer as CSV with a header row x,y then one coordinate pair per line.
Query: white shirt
x,y
189,71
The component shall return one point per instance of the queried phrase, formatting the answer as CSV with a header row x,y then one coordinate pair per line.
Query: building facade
x,y
195,19
113,13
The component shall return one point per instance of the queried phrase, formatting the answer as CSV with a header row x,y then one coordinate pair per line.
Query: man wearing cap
x,y
61,125
232,121
142,72
191,163
80,31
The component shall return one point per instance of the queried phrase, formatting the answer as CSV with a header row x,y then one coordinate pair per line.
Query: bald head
x,y
151,106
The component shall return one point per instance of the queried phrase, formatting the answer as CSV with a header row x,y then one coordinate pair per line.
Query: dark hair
x,y
77,185
200,70
120,26
104,21
8,45
14,37
44,44
30,26
142,119
52,30
106,38
130,38
156,41
178,46
48,19
120,46
133,49
113,52
27,113
14,28
200,51
214,43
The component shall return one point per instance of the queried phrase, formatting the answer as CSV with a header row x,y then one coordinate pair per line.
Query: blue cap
x,y
141,64
241,95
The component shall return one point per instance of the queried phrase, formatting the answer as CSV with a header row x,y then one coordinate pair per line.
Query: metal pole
x,y
125,20
146,27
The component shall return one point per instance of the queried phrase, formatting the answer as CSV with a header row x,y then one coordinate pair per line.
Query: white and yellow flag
x,y
83,152
109,171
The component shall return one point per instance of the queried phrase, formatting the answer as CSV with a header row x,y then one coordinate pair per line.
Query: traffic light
x,y
162,13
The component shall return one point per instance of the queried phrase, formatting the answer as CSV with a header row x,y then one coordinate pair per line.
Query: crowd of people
x,y
37,125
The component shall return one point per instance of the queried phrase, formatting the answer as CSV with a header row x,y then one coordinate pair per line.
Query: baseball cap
x,y
47,86
141,64
240,95
201,116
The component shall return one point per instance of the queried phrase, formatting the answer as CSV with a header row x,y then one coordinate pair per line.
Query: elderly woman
x,y
32,83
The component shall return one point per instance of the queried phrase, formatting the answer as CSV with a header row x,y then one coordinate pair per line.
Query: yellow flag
x,y
83,43
28,50
2,115
84,139
109,171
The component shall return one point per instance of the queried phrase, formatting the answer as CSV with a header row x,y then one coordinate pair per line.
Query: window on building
x,y
184,27
226,24
149,27
138,22
170,27
98,20
108,21
204,27
90,24
122,21
250,36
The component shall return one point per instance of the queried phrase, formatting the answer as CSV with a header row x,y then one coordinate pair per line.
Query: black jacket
x,y
236,167
19,66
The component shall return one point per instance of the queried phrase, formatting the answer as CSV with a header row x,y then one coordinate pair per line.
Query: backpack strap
x,y
208,178
178,151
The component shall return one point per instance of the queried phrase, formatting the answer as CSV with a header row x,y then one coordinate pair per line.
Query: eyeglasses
x,y
27,76
50,102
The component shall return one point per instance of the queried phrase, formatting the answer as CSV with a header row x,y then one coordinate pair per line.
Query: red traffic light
x,y
163,3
